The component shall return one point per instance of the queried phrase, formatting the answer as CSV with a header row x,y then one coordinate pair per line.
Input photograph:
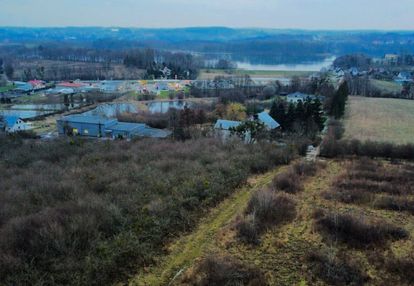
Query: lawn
x,y
6,88
380,119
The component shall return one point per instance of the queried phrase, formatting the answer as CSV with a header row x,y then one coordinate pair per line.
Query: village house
x,y
23,87
37,84
268,120
223,128
13,124
403,77
65,87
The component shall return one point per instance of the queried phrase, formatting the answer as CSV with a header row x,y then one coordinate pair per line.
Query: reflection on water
x,y
164,106
311,66
25,114
42,107
111,110
29,111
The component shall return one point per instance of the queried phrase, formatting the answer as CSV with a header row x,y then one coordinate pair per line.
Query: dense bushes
x,y
355,231
291,181
217,270
90,212
265,210
336,270
332,148
369,182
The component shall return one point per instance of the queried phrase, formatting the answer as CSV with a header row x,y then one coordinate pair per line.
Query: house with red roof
x,y
37,84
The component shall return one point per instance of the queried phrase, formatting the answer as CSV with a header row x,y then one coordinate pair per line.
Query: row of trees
x,y
336,104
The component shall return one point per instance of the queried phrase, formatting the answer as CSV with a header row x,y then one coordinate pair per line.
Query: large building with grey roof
x,y
98,126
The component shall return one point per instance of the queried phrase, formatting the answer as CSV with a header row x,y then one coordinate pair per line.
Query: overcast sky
x,y
304,14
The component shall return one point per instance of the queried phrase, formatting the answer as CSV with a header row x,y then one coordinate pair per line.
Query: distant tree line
x,y
164,64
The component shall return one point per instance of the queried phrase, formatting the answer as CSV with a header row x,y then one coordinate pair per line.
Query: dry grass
x,y
380,119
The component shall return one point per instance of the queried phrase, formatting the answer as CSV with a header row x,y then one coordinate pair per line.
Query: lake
x,y
307,66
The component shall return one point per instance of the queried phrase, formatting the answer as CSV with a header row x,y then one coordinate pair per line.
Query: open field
x,y
282,255
386,86
380,119
212,73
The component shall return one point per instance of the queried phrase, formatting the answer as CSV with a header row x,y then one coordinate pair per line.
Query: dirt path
x,y
186,250
280,254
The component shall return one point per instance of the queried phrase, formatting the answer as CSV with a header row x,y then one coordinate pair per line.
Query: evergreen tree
x,y
318,114
290,116
278,112
339,101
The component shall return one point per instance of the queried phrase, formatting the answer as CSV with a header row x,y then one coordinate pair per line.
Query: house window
x,y
75,131
86,131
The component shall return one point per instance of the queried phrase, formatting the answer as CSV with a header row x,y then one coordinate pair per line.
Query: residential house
x,y
223,128
268,120
404,77
23,87
12,124
298,96
37,84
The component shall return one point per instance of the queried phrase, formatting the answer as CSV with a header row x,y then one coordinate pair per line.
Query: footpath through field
x,y
184,252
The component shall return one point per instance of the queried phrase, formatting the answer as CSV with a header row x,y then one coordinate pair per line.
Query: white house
x,y
12,124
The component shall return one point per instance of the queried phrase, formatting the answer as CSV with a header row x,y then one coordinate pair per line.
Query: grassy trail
x,y
186,250
281,253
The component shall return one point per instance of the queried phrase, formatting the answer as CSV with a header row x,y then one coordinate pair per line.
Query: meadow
x,y
380,119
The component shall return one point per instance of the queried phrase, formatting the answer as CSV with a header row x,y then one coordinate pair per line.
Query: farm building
x,y
98,126
12,124
84,125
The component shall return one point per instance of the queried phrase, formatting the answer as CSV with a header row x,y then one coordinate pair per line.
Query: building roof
x,y
268,120
36,82
71,84
127,127
91,119
226,124
10,120
152,133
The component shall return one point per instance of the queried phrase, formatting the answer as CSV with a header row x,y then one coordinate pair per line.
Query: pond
x,y
24,114
43,107
164,106
30,111
111,110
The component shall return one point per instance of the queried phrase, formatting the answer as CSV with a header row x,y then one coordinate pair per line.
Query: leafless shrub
x,y
265,210
358,232
217,270
336,270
